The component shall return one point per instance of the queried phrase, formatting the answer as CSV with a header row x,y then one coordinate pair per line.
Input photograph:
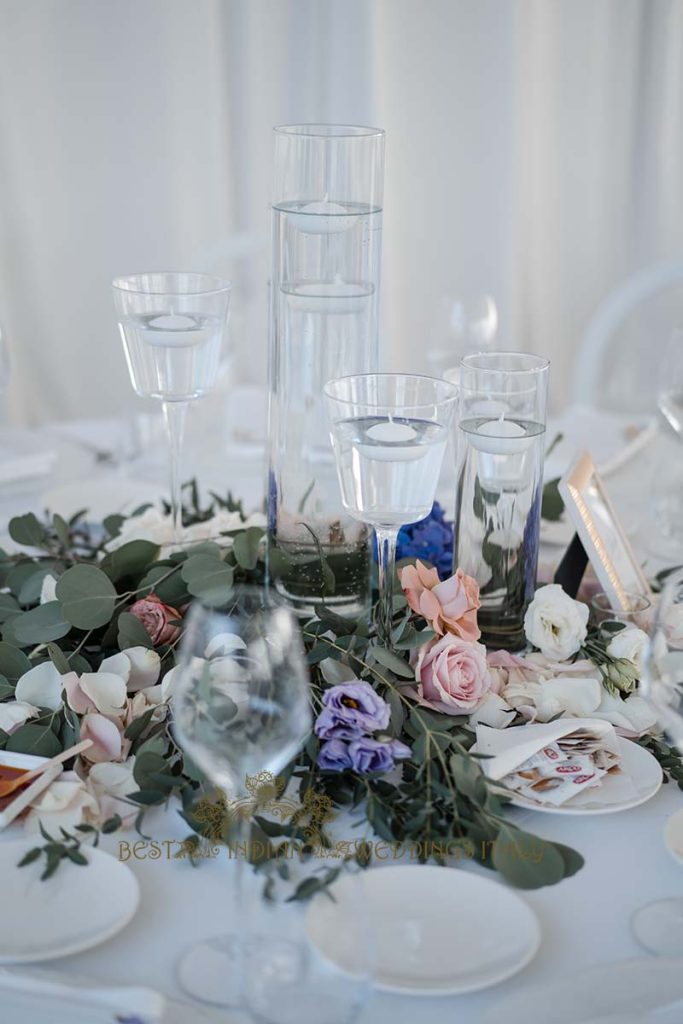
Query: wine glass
x,y
241,707
659,925
667,485
463,325
172,326
389,433
4,360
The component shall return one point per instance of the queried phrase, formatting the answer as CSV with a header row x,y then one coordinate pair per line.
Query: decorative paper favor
x,y
559,761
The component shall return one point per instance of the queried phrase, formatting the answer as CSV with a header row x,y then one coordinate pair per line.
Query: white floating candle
x,y
393,442
391,432
322,217
327,297
500,437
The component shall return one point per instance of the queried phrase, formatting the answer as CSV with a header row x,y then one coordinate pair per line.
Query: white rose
x,y
631,717
151,525
629,643
555,623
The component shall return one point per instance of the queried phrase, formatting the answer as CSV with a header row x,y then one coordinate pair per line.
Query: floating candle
x,y
500,437
391,432
323,217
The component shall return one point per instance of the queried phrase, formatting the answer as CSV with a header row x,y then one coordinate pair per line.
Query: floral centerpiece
x,y
91,621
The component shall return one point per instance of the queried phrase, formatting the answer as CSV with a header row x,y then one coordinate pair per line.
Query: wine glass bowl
x,y
172,326
658,926
389,433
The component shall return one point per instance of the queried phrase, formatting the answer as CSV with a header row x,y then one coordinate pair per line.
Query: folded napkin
x,y
552,763
34,997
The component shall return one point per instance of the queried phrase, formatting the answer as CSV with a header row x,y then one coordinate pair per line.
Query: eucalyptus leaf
x,y
130,559
87,596
207,578
6,689
392,661
40,625
39,740
13,662
9,607
131,632
246,547
27,531
527,861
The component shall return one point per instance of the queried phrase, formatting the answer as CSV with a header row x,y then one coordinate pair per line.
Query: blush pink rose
x,y
156,617
449,606
452,675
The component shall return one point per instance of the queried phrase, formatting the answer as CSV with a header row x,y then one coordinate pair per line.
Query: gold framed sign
x,y
601,533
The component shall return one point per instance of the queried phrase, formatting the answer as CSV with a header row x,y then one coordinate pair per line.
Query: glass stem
x,y
386,560
175,414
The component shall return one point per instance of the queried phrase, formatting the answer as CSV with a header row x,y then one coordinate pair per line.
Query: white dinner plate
x,y
673,836
643,991
78,907
439,931
644,769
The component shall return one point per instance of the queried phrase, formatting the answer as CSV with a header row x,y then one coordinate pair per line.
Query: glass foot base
x,y
211,971
658,927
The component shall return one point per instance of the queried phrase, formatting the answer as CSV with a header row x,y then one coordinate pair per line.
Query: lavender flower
x,y
362,755
351,710
334,756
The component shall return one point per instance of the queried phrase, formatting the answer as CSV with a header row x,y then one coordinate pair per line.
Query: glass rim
x,y
123,282
640,603
421,378
319,130
540,363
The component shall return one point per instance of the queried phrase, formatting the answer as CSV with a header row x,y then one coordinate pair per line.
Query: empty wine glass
x,y
389,433
667,486
241,707
659,925
4,360
172,326
462,325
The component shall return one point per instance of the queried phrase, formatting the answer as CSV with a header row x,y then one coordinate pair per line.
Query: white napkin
x,y
34,997
509,748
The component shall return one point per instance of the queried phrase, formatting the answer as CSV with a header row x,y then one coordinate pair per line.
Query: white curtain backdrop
x,y
534,151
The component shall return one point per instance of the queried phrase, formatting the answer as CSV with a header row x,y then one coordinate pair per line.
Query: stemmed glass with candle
x,y
172,326
389,434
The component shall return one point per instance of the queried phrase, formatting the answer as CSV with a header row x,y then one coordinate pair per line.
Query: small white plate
x,y
439,931
630,992
673,836
78,907
644,769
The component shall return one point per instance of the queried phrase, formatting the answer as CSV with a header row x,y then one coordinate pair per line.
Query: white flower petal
x,y
224,644
65,803
41,686
119,664
48,589
14,713
633,716
494,712
145,666
106,690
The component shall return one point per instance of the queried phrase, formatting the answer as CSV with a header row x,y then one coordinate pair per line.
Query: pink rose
x,y
448,607
156,617
452,675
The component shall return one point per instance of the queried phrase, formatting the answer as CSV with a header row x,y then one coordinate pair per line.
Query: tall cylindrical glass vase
x,y
501,443
326,249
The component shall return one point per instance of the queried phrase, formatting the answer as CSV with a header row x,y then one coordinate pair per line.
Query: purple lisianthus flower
x,y
334,756
430,540
368,755
351,710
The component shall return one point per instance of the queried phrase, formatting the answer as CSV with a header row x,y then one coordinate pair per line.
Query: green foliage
x,y
87,596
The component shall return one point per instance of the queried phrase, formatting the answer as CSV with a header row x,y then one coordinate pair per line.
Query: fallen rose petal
x,y
106,738
41,686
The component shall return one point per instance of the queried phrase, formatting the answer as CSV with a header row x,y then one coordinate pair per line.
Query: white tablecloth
x,y
584,920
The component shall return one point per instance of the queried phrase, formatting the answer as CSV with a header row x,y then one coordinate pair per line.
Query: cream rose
x,y
629,643
555,623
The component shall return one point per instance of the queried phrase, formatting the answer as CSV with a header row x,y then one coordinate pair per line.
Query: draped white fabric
x,y
534,150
